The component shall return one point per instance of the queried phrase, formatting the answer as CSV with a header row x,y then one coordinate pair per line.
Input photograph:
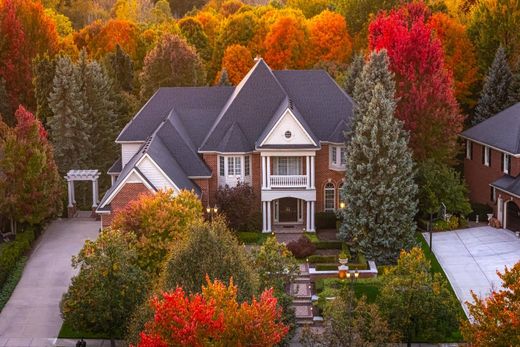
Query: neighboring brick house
x,y
492,165
280,131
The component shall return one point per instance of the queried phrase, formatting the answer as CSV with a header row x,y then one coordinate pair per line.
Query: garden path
x,y
470,258
32,315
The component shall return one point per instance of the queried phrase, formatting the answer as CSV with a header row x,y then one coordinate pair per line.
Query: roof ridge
x,y
237,91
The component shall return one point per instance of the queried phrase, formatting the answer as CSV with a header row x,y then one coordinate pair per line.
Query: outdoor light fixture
x,y
208,209
356,274
342,204
215,209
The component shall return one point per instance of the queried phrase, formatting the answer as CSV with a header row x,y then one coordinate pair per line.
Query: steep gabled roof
x,y
234,140
251,106
202,104
338,134
501,131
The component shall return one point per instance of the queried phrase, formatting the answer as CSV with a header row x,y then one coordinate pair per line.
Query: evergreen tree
x,y
5,107
514,87
495,93
68,126
224,78
120,69
354,70
44,69
379,190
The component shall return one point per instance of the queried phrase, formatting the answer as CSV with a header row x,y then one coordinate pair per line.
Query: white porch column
x,y
500,209
308,171
73,192
94,197
269,204
268,172
313,211
308,216
264,216
264,181
69,189
312,172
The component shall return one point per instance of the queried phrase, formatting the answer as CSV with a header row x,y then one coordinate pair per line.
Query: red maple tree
x,y
424,87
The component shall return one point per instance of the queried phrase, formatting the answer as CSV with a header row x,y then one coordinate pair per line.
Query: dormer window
x,y
338,157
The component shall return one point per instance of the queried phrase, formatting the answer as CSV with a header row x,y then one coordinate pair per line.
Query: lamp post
x,y
352,276
211,211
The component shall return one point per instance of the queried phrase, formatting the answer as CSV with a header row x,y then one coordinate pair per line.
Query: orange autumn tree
x,y
213,317
329,37
496,319
237,61
158,221
286,43
459,55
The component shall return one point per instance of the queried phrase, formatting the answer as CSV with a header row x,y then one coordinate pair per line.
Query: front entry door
x,y
288,210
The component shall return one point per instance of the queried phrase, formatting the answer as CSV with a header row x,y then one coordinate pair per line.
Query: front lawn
x,y
252,237
67,332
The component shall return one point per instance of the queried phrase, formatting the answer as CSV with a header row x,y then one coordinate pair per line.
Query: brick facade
x,y
478,176
209,186
129,192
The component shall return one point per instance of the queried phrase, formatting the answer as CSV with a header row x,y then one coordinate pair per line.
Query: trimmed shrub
x,y
11,252
326,267
301,248
329,245
316,259
326,220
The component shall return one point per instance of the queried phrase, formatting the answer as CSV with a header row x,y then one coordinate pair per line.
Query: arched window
x,y
330,197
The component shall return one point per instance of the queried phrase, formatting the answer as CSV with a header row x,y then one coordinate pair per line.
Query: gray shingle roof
x,y
501,131
178,123
116,167
508,184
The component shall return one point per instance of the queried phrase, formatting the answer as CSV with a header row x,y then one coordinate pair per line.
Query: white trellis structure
x,y
83,175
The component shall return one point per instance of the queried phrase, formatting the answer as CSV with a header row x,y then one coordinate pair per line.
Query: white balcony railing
x,y
288,181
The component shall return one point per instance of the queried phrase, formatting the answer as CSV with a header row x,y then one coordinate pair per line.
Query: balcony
x,y
288,181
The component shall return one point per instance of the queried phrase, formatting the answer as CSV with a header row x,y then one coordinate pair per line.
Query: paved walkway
x,y
32,314
471,257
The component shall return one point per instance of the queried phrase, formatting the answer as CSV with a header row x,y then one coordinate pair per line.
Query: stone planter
x,y
343,261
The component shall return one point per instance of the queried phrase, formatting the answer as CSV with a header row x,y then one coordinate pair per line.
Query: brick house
x,y
492,165
280,131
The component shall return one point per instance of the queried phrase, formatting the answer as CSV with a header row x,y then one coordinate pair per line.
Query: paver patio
x,y
471,257
32,314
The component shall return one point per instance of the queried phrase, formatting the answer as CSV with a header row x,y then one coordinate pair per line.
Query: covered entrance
x,y
513,217
288,210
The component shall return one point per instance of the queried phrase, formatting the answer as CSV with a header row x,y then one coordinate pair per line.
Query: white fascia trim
x,y
129,142
158,168
334,143
103,212
495,148
288,153
278,122
226,153
198,177
123,182
505,191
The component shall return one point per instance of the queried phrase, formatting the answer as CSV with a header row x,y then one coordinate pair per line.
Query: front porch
x,y
288,215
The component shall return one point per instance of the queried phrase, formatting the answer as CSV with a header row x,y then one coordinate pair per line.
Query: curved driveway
x,y
471,257
32,315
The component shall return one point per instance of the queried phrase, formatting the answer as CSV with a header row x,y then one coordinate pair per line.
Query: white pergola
x,y
83,175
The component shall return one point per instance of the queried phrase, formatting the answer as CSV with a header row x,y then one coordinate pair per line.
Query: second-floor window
x,y
234,166
486,156
287,166
469,150
338,157
506,163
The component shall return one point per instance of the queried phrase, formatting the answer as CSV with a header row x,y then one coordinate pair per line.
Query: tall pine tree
x,y
121,70
514,87
69,127
44,68
224,78
354,70
380,192
495,93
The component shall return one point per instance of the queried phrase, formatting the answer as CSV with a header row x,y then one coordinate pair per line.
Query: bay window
x,y
234,168
338,159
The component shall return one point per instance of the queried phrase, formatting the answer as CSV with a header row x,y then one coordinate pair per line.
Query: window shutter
x,y
503,162
509,164
489,157
483,155
221,166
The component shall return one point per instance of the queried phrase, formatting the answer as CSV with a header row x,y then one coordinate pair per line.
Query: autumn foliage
x,y
424,87
213,317
496,318
158,221
237,61
329,38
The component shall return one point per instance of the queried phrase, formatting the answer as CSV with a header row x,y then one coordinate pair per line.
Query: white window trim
x,y
505,166
325,190
337,164
486,156
468,149
233,158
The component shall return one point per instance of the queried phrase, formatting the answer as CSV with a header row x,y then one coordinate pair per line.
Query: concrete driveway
x,y
471,257
32,314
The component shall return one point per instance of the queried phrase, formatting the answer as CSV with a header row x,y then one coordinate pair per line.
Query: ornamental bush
x,y
239,205
301,248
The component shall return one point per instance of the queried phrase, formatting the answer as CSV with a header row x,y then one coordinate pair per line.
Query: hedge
x,y
249,237
329,245
12,281
316,259
12,251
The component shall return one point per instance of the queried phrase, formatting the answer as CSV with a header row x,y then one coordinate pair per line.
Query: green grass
x,y
312,236
67,332
12,280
